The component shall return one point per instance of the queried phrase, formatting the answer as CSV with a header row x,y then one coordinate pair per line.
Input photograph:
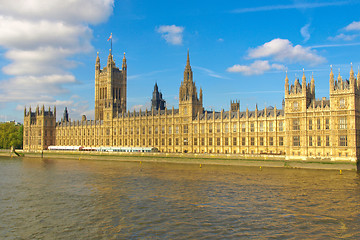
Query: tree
x,y
11,135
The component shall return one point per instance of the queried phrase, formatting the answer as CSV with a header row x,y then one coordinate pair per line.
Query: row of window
x,y
155,130
296,124
317,141
196,142
46,122
313,141
39,133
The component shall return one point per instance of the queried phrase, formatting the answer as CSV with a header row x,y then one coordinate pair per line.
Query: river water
x,y
70,199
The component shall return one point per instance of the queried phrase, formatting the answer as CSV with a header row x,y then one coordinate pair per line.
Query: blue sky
x,y
238,49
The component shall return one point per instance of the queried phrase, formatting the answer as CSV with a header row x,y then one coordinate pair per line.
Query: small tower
x,y
299,96
65,115
286,85
235,106
352,80
303,83
312,86
344,102
157,102
331,80
297,101
39,129
358,80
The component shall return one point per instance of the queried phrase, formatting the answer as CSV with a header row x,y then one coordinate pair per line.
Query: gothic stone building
x,y
304,128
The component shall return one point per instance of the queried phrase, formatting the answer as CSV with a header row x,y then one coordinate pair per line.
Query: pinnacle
x,y
188,59
351,70
303,77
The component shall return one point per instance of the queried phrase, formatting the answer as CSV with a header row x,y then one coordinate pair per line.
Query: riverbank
x,y
199,159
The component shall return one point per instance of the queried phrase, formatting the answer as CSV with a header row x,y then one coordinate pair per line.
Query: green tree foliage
x,y
11,135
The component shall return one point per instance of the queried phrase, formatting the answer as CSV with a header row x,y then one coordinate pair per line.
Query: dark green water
x,y
68,199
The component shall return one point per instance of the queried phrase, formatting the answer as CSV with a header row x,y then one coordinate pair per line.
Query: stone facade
x,y
305,128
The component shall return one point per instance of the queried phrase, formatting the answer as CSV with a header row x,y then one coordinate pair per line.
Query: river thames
x,y
70,199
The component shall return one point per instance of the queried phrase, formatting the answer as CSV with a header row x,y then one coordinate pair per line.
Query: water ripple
x,y
57,199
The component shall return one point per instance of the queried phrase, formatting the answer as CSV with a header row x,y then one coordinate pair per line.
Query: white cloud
x,y
137,108
290,6
39,37
353,26
277,66
38,61
345,37
283,50
256,68
210,73
142,75
30,34
171,33
34,88
335,45
74,11
141,107
305,32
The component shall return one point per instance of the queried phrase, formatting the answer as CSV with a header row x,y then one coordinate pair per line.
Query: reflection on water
x,y
65,199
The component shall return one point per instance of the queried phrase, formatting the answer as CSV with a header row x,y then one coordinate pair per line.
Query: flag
x,y
110,37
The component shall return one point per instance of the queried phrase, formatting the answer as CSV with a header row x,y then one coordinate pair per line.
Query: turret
x,y
97,64
312,86
339,81
303,83
358,80
66,115
352,79
331,81
286,84
110,59
124,65
234,106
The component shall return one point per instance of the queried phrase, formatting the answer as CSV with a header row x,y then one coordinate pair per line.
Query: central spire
x,y
188,72
189,102
188,59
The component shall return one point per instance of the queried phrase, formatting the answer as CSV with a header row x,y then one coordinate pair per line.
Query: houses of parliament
x,y
304,128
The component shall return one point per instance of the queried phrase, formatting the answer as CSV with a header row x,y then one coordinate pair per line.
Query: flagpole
x,y
110,38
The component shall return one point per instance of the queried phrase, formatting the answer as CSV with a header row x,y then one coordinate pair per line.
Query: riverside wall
x,y
193,158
